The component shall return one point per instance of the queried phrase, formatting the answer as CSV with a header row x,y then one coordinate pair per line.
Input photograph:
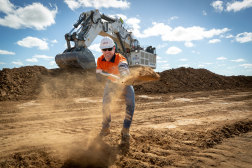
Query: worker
x,y
115,64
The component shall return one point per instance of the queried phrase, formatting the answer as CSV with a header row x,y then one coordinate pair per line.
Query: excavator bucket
x,y
81,59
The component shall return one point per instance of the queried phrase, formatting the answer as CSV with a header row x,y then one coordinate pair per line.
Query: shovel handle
x,y
109,74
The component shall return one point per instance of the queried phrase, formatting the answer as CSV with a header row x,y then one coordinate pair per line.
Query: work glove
x,y
123,69
99,77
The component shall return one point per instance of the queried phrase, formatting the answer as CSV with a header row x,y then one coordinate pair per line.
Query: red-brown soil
x,y
189,118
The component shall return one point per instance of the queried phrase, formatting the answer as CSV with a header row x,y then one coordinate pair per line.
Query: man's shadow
x,y
98,154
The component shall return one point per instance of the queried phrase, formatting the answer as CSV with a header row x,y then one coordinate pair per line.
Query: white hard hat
x,y
107,42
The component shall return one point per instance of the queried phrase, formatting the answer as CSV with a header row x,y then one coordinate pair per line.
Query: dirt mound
x,y
189,79
31,82
36,81
21,83
216,136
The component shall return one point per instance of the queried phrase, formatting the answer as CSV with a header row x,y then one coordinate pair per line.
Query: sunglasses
x,y
107,49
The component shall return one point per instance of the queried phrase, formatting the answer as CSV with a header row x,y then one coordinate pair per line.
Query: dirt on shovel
x,y
140,75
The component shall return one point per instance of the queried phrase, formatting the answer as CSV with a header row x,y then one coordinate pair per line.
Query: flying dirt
x,y
187,118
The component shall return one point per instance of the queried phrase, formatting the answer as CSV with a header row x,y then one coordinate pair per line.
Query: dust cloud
x,y
97,154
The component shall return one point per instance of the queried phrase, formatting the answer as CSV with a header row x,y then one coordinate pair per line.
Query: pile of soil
x,y
36,81
21,83
32,82
189,79
217,135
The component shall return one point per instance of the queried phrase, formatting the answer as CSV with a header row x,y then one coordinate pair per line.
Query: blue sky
x,y
210,34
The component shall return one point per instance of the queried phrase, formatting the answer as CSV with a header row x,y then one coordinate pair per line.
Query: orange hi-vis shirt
x,y
112,65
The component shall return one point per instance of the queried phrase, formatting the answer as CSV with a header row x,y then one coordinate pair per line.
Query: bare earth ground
x,y
192,129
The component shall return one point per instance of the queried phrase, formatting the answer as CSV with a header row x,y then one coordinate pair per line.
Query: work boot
x,y
125,135
104,132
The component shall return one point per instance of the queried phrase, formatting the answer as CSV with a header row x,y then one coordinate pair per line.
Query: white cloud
x,y
1,63
204,12
43,57
134,23
95,47
36,57
217,5
4,52
157,29
238,5
167,33
6,6
201,66
189,44
234,6
238,60
214,41
229,36
97,4
31,16
178,33
221,58
32,60
30,42
183,59
17,62
72,4
54,41
173,50
246,65
244,37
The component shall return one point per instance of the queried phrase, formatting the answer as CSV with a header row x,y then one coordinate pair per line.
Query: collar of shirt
x,y
111,60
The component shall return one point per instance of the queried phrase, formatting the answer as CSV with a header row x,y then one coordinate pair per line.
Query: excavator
x,y
91,24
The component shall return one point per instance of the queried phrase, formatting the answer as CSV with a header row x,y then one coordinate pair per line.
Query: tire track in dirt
x,y
221,155
173,130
